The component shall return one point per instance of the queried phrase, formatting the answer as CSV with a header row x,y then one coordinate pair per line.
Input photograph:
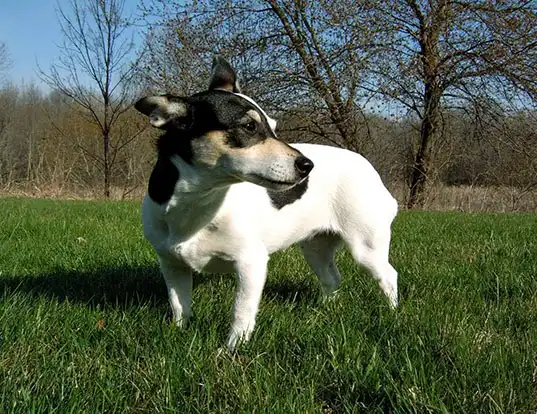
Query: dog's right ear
x,y
162,109
223,76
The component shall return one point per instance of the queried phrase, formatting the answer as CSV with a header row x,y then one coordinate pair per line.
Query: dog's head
x,y
226,132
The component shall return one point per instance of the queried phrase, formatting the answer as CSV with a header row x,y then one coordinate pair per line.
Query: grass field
x,y
85,323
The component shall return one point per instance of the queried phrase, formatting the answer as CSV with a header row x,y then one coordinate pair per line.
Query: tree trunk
x,y
106,153
429,32
321,75
428,131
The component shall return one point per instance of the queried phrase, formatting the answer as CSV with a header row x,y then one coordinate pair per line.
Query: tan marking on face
x,y
209,149
272,147
254,115
160,101
214,145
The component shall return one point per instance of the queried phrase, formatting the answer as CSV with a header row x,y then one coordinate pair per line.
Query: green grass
x,y
85,323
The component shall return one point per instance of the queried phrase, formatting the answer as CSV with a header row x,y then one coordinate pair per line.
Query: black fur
x,y
280,199
214,110
211,111
224,76
162,180
208,111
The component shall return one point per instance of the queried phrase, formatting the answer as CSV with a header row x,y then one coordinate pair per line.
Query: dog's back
x,y
342,190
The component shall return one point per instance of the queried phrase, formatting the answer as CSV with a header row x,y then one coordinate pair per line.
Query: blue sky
x,y
31,32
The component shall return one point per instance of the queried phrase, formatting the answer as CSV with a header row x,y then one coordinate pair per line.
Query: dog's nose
x,y
303,165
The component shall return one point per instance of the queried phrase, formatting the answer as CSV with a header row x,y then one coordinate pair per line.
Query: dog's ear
x,y
163,108
223,76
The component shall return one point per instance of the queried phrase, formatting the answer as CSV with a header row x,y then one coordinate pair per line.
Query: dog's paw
x,y
181,322
238,337
391,293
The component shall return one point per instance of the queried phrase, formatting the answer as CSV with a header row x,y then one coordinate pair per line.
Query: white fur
x,y
210,228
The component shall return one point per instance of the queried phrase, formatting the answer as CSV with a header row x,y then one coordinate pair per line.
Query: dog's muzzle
x,y
303,166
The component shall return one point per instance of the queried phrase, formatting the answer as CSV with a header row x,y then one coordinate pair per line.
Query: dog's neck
x,y
196,198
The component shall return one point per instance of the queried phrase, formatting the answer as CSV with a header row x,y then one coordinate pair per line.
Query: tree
x,y
444,54
332,58
95,70
5,60
303,56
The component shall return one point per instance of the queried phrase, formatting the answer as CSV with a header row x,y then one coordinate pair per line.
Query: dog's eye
x,y
250,126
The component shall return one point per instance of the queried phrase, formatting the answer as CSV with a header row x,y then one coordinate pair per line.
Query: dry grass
x,y
474,198
59,192
440,197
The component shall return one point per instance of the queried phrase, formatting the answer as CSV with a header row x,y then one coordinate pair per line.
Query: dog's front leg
x,y
178,279
251,276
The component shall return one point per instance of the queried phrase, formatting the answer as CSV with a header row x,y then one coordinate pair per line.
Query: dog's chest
x,y
209,250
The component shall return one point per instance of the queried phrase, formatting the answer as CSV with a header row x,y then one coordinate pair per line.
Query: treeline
x,y
437,94
49,146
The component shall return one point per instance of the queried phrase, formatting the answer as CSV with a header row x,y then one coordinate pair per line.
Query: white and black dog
x,y
225,193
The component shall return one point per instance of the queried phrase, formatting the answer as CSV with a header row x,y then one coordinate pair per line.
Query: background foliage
x,y
440,96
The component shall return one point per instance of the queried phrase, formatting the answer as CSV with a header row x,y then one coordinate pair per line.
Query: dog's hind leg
x,y
179,283
372,253
319,253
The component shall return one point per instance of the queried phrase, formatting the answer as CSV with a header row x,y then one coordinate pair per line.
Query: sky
x,y
31,32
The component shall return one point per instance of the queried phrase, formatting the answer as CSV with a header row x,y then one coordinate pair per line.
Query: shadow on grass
x,y
291,291
117,286
122,286
366,398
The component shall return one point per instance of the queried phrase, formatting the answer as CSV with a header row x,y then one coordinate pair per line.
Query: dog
x,y
225,193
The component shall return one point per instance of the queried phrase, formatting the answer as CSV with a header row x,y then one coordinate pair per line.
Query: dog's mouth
x,y
272,184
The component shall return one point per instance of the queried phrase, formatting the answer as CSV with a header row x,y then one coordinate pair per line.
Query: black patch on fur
x,y
280,199
210,111
162,181
207,111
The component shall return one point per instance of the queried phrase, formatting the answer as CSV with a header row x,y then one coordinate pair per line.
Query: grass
x,y
85,323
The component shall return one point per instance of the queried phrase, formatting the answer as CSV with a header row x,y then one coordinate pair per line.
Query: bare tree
x,y
444,54
334,58
95,70
303,56
5,60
